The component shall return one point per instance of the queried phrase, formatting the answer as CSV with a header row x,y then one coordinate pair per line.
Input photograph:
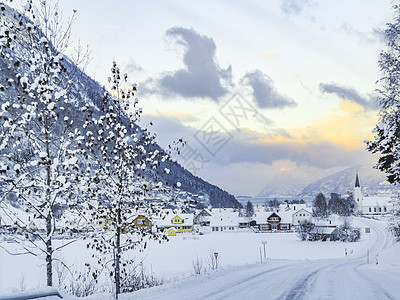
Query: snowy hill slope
x,y
84,90
372,182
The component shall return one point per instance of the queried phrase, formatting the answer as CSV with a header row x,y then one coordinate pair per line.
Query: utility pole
x,y
265,252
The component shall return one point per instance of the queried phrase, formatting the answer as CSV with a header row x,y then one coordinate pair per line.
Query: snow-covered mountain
x,y
373,182
84,90
294,185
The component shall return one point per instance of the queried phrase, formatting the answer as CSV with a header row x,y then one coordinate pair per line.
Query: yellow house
x,y
177,220
105,224
171,231
183,223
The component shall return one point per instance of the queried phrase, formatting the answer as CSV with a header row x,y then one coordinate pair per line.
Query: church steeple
x,y
357,181
357,196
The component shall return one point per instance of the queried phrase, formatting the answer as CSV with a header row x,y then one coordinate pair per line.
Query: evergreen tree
x,y
340,206
320,206
387,131
249,209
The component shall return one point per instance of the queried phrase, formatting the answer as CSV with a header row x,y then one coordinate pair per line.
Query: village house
x,y
179,222
37,225
267,221
203,217
325,233
283,219
301,216
171,231
224,220
141,221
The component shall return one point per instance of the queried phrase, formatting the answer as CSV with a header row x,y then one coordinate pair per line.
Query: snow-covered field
x,y
292,270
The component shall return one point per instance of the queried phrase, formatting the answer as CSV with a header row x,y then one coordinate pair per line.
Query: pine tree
x,y
387,131
320,206
249,209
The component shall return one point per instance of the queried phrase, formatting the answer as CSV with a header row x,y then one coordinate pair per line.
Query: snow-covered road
x,y
346,278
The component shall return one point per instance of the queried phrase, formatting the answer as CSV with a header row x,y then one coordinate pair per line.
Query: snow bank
x,y
390,256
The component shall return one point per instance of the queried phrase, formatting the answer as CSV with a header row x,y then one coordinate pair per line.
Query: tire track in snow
x,y
227,292
302,286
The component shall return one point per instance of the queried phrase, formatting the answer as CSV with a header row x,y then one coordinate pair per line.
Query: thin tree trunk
x,y
118,255
49,218
49,249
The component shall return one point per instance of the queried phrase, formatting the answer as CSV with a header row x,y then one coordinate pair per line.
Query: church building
x,y
371,205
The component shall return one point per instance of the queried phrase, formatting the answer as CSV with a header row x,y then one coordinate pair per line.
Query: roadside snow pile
x,y
43,293
390,256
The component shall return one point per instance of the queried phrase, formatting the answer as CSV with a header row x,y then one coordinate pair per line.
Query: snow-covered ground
x,y
293,270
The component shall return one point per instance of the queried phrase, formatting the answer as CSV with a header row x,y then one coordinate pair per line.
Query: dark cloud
x,y
264,93
250,147
294,7
245,147
348,93
202,76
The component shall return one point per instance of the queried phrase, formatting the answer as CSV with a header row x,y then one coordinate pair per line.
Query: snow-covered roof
x,y
40,224
244,219
167,221
224,217
286,211
286,216
291,207
377,201
323,230
261,217
302,211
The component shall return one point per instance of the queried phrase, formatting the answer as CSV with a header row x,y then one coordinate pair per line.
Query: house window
x,y
370,209
384,209
380,209
140,221
374,209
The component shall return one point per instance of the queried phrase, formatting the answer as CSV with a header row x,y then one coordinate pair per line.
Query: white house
x,y
301,216
377,205
295,213
224,220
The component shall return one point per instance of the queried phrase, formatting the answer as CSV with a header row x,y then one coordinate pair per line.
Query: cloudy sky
x,y
261,90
